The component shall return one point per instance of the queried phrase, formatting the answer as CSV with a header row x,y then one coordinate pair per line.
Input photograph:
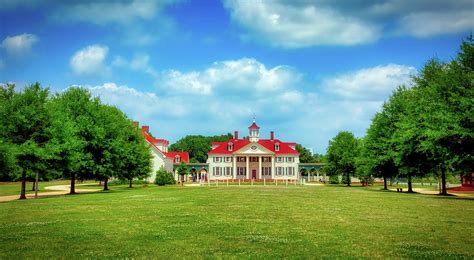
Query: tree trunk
x,y
23,186
443,183
36,186
130,183
73,184
33,186
385,182
106,184
348,180
410,188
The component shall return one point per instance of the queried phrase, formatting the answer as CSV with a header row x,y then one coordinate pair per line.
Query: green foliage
x,y
341,156
334,179
163,177
197,145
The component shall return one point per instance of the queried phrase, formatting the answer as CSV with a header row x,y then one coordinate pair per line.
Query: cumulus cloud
x,y
296,24
139,62
300,25
19,45
231,76
90,61
374,83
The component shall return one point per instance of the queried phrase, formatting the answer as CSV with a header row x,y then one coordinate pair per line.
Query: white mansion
x,y
253,158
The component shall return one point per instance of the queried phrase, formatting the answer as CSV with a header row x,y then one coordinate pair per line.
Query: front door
x,y
254,174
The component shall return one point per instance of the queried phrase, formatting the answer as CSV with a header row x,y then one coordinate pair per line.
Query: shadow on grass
x,y
439,196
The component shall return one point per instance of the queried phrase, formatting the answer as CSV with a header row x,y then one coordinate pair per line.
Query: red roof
x,y
254,125
172,155
183,155
240,143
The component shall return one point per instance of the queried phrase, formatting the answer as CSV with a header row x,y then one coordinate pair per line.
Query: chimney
x,y
272,135
145,128
135,124
236,135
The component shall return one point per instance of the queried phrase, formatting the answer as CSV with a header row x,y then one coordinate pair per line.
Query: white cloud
x,y
296,24
139,62
231,76
375,83
426,24
19,45
90,61
300,25
106,12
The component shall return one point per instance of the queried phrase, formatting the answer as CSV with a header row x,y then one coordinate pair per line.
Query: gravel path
x,y
55,190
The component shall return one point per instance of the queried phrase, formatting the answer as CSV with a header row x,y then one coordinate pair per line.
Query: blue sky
x,y
307,69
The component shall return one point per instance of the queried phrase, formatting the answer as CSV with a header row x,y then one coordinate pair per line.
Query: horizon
x,y
307,71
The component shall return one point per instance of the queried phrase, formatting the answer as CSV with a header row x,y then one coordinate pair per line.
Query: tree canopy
x,y
197,145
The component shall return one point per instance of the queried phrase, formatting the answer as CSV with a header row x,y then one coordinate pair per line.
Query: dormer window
x,y
277,147
230,146
177,158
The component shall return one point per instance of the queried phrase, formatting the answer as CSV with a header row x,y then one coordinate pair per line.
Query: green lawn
x,y
242,222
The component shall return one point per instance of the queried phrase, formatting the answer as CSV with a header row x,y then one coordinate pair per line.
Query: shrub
x,y
334,179
163,177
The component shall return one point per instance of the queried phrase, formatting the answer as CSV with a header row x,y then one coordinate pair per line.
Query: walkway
x,y
55,190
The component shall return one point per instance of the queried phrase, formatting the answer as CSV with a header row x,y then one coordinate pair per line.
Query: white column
x,y
247,167
259,176
273,167
234,168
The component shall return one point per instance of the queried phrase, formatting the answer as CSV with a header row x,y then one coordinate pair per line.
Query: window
x,y
279,159
240,171
279,171
217,171
277,147
228,159
253,159
230,146
241,159
217,159
266,171
290,171
228,171
266,159
177,158
289,159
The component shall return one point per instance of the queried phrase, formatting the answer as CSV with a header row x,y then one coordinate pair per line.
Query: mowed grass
x,y
240,222
14,188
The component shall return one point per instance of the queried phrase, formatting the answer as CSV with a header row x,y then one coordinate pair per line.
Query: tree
x,y
73,130
197,145
342,152
7,162
25,122
375,156
163,177
305,154
182,170
136,158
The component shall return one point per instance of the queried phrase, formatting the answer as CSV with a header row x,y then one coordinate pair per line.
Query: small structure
x,y
468,180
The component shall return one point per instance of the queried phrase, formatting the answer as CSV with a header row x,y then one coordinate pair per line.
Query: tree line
x,y
69,134
423,129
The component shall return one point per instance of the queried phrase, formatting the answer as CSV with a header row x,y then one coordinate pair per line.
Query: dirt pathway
x,y
55,190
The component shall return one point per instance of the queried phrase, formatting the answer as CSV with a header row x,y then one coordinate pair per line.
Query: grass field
x,y
242,222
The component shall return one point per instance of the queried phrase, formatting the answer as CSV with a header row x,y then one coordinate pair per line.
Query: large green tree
x,y
341,155
24,125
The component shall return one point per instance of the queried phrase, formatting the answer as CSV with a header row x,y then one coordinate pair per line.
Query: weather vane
x,y
254,116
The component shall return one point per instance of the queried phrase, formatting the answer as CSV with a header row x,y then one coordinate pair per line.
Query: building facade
x,y
253,158
161,156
